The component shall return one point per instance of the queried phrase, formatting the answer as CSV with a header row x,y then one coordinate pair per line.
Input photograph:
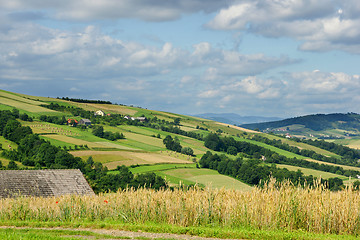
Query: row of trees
x,y
254,172
231,146
346,152
349,156
85,100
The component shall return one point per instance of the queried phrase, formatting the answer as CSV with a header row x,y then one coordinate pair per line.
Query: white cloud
x,y
82,10
209,94
320,25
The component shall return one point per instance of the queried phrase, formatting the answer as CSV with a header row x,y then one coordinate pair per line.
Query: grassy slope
x,y
140,145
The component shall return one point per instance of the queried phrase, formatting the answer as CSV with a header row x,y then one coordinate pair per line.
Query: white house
x,y
99,113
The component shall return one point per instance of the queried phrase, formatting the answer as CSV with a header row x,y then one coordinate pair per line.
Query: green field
x,y
315,173
207,177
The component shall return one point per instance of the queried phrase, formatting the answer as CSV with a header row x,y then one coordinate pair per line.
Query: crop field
x,y
24,106
351,143
40,128
295,210
62,140
19,98
304,146
315,173
112,159
237,128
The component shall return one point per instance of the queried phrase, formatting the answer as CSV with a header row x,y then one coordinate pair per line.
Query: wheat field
x,y
273,207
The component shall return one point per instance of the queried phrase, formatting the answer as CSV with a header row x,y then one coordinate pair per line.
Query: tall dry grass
x,y
273,207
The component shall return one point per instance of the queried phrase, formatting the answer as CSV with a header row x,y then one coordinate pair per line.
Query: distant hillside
x,y
317,122
233,118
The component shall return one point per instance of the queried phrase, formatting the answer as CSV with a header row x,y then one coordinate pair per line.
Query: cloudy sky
x,y
280,58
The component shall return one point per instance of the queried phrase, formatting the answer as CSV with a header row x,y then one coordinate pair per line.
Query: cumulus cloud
x,y
320,25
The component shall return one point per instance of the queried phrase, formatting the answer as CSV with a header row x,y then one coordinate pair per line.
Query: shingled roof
x,y
44,183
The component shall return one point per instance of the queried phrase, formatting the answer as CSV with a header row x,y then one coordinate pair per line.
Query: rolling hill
x,y
233,118
331,126
142,147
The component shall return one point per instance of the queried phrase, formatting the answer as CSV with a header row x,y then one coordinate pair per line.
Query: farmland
x,y
143,145
142,151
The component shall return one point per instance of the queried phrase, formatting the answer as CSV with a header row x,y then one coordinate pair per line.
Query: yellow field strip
x,y
20,99
23,106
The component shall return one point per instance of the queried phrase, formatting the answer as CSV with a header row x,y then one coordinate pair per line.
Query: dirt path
x,y
121,233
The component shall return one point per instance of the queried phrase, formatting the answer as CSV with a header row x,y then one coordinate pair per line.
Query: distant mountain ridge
x,y
315,122
233,118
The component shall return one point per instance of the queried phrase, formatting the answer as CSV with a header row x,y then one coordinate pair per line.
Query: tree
x,y
177,121
98,131
232,150
12,165
187,151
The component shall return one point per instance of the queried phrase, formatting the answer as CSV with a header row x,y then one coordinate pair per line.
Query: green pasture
x,y
304,146
207,177
315,173
272,148
160,167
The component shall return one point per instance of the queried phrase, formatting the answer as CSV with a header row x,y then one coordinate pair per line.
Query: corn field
x,y
273,207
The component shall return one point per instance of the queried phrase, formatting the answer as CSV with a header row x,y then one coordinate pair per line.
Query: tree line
x,y
350,157
79,100
231,146
254,172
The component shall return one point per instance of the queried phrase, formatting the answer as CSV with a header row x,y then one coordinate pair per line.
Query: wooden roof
x,y
43,183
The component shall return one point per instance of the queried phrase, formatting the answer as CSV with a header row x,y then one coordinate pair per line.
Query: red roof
x,y
69,120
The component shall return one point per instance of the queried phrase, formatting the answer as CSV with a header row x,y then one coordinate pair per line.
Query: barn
x,y
43,183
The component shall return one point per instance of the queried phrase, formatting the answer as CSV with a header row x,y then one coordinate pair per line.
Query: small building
x,y
141,119
99,113
43,183
85,122
72,122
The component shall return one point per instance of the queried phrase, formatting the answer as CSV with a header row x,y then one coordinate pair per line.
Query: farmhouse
x,y
85,122
141,119
72,122
43,183
99,113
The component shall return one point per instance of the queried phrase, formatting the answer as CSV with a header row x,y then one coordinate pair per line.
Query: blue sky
x,y
280,58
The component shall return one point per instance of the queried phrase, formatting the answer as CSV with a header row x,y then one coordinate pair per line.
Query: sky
x,y
274,58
